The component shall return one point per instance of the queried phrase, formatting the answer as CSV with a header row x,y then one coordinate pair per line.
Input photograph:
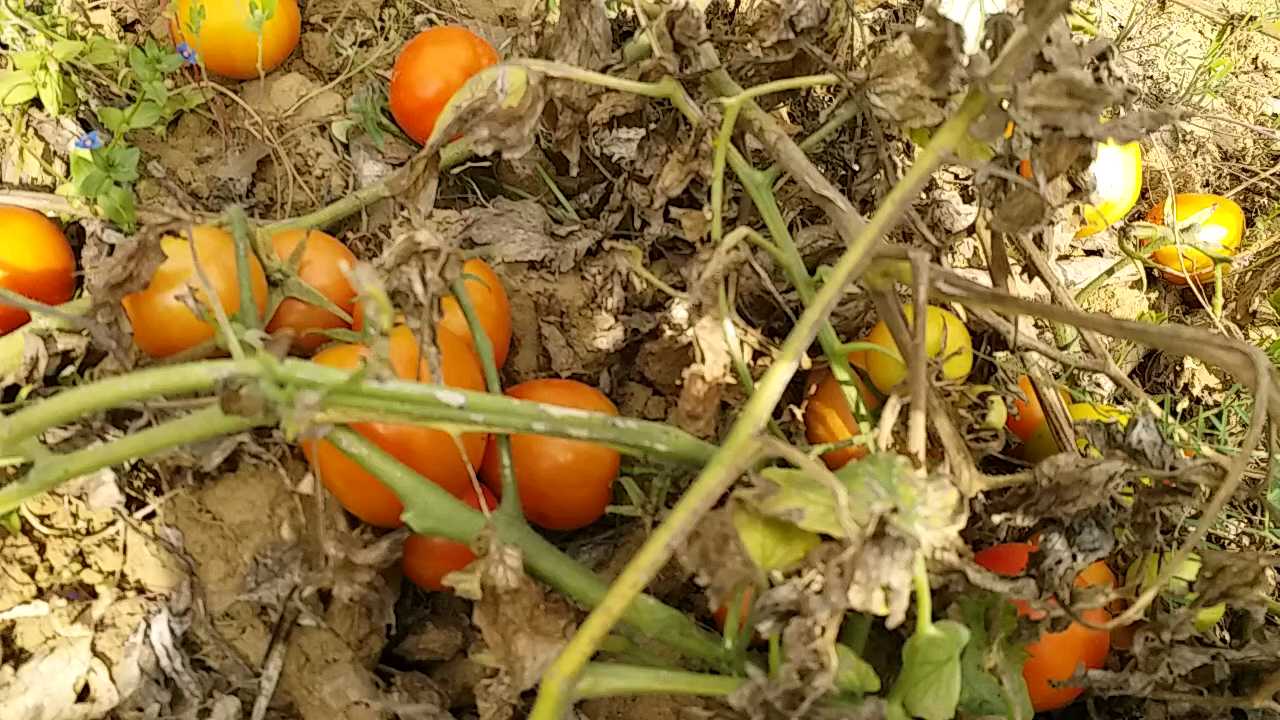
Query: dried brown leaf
x,y
497,111
716,557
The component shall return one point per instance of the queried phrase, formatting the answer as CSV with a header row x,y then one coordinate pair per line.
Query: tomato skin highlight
x,y
428,558
228,46
163,324
323,265
36,262
431,67
564,484
1054,657
489,298
1222,232
431,453
829,419
887,371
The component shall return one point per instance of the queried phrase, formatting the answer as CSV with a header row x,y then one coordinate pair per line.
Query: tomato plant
x,y
163,323
228,35
945,337
434,454
564,484
35,262
1040,444
829,419
1055,656
428,559
489,298
1213,222
323,264
1117,182
431,67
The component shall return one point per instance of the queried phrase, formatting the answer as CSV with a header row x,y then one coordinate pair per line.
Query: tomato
x,y
828,418
1211,221
1054,657
1117,180
945,336
323,266
1040,445
227,43
564,484
163,324
1024,169
35,262
1027,416
489,298
431,67
432,453
428,559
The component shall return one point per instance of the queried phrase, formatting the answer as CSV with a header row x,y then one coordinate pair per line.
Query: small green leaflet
x,y
929,685
855,676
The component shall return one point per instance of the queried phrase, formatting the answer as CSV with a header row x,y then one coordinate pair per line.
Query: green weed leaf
x,y
116,202
30,60
101,51
87,179
121,163
112,119
16,87
147,114
991,666
855,676
67,50
772,544
929,685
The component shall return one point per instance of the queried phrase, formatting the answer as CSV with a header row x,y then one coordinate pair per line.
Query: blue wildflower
x,y
188,53
91,140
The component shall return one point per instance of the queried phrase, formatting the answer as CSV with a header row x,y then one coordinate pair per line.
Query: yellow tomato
x,y
221,33
1117,179
1041,445
1211,221
946,337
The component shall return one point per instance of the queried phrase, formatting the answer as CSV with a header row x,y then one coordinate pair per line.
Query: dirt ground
x,y
198,586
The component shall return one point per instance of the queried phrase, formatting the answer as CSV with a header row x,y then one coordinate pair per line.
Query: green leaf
x,y
147,114
30,60
811,504
772,544
181,100
155,91
49,88
991,666
122,163
854,675
101,51
66,50
111,118
1274,300
929,684
16,87
116,202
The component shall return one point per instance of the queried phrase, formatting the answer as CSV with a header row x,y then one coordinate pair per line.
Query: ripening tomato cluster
x,y
1055,656
828,418
1199,222
563,484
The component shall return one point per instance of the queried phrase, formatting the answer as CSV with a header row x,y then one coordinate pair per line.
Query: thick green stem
x,y
46,474
69,405
600,679
431,510
248,314
737,451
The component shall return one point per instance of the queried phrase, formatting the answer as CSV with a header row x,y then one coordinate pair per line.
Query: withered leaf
x,y
498,111
771,544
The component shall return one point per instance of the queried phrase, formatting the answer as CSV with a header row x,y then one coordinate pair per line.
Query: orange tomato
x,y
1040,443
226,42
35,262
945,336
163,324
1220,230
489,298
564,484
431,67
828,418
434,454
323,265
1027,416
1024,169
428,559
1054,657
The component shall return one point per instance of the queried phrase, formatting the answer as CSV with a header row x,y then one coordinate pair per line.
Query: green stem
x,y
924,598
724,140
484,348
69,405
431,510
737,452
838,119
248,314
600,679
45,475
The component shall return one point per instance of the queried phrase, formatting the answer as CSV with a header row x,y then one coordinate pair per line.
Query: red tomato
x,y
1220,231
828,419
428,559
35,262
163,324
489,298
432,453
431,67
226,42
564,484
1055,656
323,266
